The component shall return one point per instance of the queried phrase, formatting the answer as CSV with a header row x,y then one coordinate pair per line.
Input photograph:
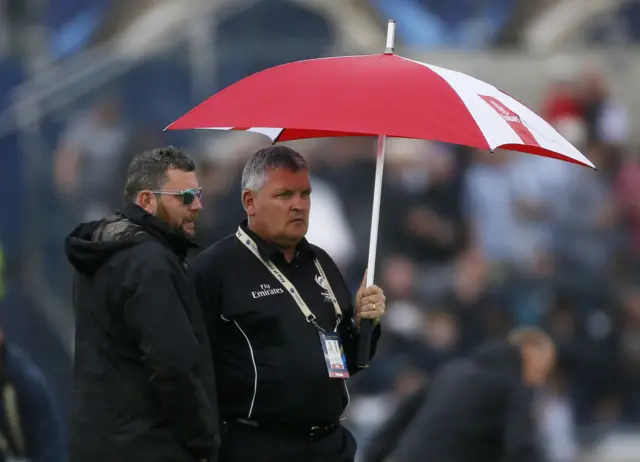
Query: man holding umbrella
x,y
283,329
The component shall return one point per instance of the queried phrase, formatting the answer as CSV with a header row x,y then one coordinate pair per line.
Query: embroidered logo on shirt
x,y
266,290
322,283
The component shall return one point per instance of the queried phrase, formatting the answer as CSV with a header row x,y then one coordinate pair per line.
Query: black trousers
x,y
245,443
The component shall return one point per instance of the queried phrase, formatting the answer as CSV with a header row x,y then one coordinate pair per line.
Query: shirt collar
x,y
271,252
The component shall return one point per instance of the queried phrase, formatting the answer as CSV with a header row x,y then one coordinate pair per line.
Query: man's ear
x,y
147,201
248,202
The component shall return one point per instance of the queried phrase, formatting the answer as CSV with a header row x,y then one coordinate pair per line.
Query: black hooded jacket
x,y
144,385
477,409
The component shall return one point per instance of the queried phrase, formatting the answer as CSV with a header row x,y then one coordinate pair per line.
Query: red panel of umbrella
x,y
382,95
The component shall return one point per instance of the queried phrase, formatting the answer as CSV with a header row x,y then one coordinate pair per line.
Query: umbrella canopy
x,y
372,95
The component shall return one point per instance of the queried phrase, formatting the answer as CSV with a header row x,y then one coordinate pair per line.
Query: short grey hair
x,y
256,169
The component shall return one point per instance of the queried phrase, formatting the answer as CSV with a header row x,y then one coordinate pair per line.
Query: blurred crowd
x,y
471,243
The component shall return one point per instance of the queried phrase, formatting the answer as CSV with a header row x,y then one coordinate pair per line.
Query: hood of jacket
x,y
92,243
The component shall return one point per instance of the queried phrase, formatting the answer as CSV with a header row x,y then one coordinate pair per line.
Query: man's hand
x,y
370,302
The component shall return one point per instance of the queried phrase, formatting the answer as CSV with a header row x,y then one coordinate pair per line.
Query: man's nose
x,y
196,205
298,202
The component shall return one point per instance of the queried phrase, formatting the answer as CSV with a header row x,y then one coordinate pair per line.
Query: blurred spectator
x,y
479,408
384,442
627,189
424,218
585,229
607,119
30,425
489,209
3,271
629,345
556,421
349,164
88,155
221,161
328,224
562,101
586,341
492,218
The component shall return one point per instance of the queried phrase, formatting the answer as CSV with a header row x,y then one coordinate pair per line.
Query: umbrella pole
x,y
366,326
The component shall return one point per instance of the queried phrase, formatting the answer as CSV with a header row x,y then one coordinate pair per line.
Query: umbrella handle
x,y
366,326
364,343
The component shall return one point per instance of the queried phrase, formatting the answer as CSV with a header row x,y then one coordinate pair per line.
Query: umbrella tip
x,y
391,37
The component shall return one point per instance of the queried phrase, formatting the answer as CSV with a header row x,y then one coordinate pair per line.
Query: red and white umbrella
x,y
383,95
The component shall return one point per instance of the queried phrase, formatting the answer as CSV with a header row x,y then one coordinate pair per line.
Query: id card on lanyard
x,y
330,341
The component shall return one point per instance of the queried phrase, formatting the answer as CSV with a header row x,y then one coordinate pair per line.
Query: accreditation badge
x,y
334,355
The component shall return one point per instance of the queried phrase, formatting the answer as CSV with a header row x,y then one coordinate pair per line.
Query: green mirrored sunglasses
x,y
188,195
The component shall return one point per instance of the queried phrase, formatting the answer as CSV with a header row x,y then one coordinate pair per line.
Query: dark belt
x,y
313,432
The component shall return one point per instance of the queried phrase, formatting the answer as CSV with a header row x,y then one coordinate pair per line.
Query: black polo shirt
x,y
268,359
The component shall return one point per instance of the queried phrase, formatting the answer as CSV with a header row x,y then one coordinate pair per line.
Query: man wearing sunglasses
x,y
144,387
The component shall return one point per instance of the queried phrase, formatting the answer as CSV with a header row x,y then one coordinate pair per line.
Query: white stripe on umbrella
x,y
272,133
501,118
493,127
